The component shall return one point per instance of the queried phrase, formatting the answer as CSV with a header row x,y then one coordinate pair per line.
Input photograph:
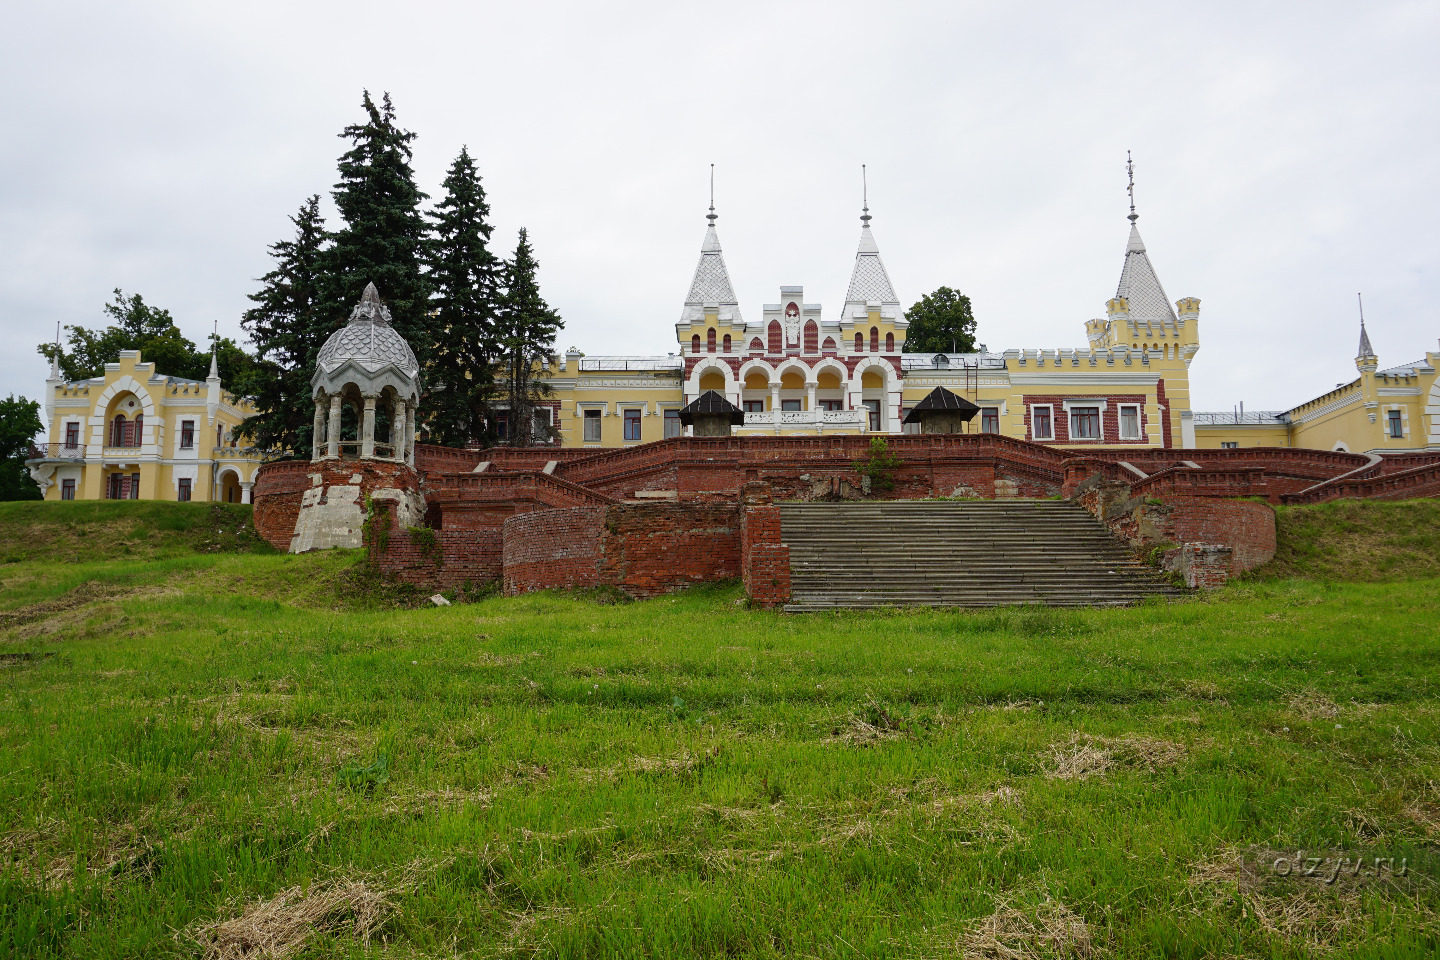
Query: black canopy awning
x,y
941,400
711,404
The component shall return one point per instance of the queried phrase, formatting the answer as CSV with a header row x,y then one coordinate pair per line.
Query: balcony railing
x,y
806,418
57,451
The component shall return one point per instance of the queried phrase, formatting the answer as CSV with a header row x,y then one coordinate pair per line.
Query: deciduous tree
x,y
19,423
941,322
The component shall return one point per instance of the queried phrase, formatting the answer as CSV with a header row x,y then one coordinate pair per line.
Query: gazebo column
x,y
319,429
367,435
410,435
399,429
333,447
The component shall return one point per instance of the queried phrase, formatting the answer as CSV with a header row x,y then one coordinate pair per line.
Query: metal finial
x,y
1361,301
712,215
1130,171
865,197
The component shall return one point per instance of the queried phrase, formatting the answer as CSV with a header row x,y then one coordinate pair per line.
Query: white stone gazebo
x,y
366,367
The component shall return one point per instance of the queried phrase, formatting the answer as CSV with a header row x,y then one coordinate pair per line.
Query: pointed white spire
x,y
214,346
1138,283
869,281
711,283
1365,349
55,357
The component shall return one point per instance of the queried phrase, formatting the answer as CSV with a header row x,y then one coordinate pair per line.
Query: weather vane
x,y
1130,171
711,215
864,197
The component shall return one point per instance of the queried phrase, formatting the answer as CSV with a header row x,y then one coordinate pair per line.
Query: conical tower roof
x,y
711,283
1140,286
869,280
1365,349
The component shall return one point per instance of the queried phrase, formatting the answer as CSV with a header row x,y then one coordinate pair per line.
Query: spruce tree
x,y
288,325
383,238
527,329
465,278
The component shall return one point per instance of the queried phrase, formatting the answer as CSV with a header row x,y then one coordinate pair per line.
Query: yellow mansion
x,y
136,434
794,371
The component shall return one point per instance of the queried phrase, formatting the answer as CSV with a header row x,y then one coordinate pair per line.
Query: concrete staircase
x,y
977,553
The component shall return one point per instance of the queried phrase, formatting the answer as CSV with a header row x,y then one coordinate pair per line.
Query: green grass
x,y
688,777
1358,540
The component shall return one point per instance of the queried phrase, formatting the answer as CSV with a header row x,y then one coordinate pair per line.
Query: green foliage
x,y
288,325
941,322
527,327
83,531
19,423
880,466
366,778
138,326
465,277
427,543
383,237
375,530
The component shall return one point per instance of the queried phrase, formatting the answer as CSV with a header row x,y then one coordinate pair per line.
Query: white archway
x,y
731,391
888,394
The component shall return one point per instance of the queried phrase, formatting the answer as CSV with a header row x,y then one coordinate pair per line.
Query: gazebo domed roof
x,y
368,340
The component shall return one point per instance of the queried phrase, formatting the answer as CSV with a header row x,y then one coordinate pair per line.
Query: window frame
x,y
1395,424
72,434
872,421
1085,411
1139,433
752,406
633,417
1229,444
989,419
67,488
672,423
187,434
595,416
1049,412
793,405
183,490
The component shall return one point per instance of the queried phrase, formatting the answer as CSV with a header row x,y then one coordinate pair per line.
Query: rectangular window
x,y
502,427
187,434
672,424
184,490
72,437
1041,426
592,426
1129,423
541,432
989,419
874,407
913,427
632,424
1084,423
1229,444
832,405
134,486
793,405
67,489
1396,429
754,406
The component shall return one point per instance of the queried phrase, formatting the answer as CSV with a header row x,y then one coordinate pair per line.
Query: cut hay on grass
x,y
1084,756
282,927
1313,910
1010,933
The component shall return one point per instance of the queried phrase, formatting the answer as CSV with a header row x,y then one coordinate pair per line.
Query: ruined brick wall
x,y
764,559
287,491
643,549
278,488
552,549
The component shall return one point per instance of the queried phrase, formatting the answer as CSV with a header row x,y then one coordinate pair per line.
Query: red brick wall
x,y
280,485
644,549
1109,417
764,560
1245,526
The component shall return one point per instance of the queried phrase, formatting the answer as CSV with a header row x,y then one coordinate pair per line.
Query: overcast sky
x,y
1285,158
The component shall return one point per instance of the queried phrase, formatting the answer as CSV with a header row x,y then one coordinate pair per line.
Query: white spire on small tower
x,y
711,283
1365,349
869,281
1138,283
214,346
55,357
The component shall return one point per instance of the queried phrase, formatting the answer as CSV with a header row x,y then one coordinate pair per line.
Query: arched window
x,y
812,336
776,336
726,343
874,340
889,343
117,431
941,360
695,343
829,345
859,342
135,430
756,346
710,340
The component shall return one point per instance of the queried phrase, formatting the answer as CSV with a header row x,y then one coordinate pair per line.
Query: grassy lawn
x,y
210,748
